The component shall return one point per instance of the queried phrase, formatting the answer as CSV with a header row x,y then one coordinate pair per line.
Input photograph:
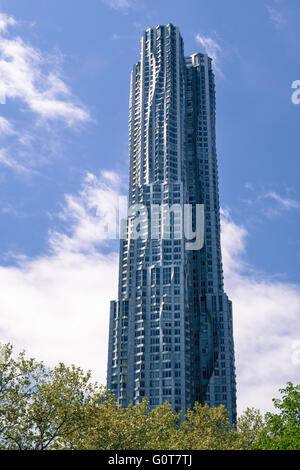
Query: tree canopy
x,y
43,408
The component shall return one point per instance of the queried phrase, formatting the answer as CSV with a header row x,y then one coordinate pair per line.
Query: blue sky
x,y
64,69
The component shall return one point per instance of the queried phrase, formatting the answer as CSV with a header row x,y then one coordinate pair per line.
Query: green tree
x,y
206,428
132,428
282,429
41,408
61,408
249,426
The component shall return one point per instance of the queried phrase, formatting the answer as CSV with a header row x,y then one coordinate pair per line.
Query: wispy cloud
x,y
286,203
121,37
57,305
6,21
31,77
277,203
213,49
32,81
9,209
89,215
249,186
9,162
6,128
119,4
276,17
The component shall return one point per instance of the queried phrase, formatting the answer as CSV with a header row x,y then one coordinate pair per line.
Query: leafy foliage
x,y
60,408
282,430
39,407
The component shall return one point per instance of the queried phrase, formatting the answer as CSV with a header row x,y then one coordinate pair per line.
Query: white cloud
x,y
213,49
118,4
249,186
270,202
57,305
91,215
33,80
233,244
276,17
30,76
6,127
286,203
5,21
8,161
266,323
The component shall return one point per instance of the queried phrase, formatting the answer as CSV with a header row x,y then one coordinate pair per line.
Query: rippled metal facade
x,y
171,332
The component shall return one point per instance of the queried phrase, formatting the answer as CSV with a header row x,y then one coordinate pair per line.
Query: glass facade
x,y
171,332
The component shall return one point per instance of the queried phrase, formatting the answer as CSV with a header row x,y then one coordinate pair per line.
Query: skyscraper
x,y
171,335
